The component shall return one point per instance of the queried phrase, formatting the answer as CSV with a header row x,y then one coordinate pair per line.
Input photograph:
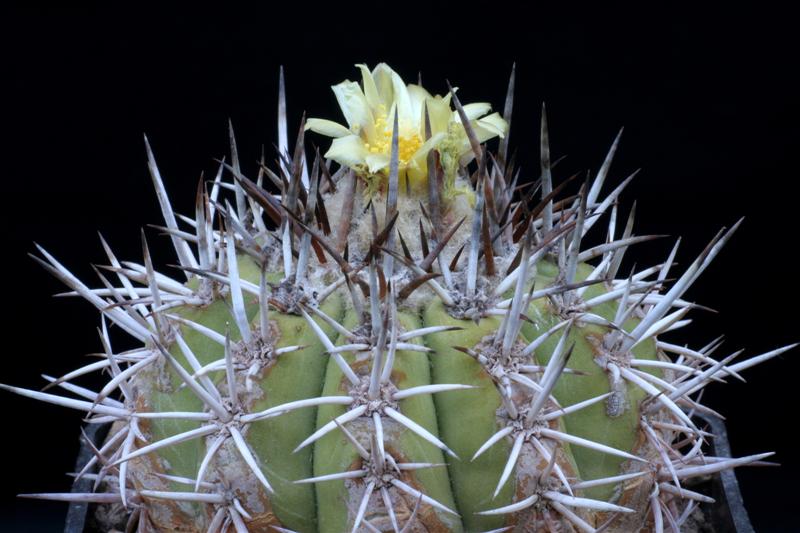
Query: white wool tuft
x,y
361,230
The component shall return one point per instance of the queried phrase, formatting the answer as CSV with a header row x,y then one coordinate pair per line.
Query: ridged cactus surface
x,y
408,333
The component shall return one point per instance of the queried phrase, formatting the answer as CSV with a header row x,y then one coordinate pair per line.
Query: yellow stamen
x,y
407,144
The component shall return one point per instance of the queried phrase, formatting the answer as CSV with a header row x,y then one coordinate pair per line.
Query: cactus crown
x,y
419,340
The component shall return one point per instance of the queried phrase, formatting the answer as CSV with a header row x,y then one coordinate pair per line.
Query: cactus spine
x,y
418,341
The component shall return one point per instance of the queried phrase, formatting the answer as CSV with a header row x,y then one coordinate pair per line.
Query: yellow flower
x,y
365,143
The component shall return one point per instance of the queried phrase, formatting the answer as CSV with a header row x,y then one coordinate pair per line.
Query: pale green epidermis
x,y
333,453
184,459
463,419
593,422
297,375
468,418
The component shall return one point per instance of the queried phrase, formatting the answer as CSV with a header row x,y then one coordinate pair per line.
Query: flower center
x,y
382,144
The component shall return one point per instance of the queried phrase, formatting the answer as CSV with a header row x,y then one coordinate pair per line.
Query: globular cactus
x,y
416,338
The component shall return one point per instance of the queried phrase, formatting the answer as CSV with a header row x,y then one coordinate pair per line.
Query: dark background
x,y
708,100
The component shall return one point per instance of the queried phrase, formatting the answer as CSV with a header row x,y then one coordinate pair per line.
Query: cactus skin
x,y
452,337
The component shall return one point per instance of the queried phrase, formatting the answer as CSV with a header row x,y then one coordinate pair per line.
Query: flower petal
x,y
440,113
370,90
327,127
418,95
417,168
485,128
382,76
354,106
477,109
417,178
490,126
402,99
348,151
377,162
418,159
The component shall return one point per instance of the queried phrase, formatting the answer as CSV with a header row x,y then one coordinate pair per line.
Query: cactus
x,y
418,340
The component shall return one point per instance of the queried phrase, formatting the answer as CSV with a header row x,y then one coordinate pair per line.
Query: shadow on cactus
x,y
407,334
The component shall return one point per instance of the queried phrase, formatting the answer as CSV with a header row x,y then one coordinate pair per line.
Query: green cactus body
x,y
289,378
296,377
614,422
334,454
468,417
403,345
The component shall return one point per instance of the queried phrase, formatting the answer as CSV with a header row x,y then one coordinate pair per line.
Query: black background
x,y
708,100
